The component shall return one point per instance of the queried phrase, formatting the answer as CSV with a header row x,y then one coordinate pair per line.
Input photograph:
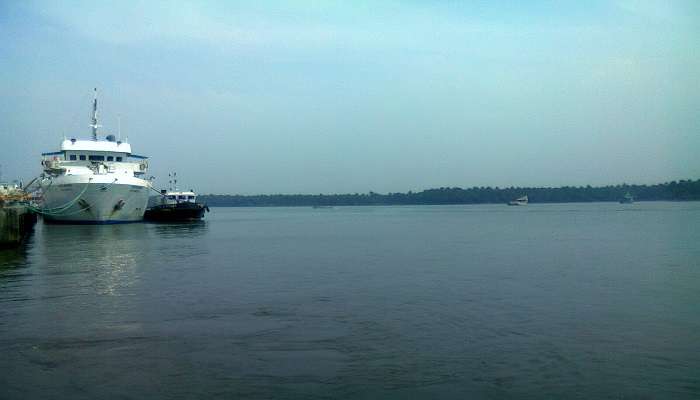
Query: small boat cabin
x,y
173,197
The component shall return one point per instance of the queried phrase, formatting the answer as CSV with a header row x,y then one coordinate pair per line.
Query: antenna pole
x,y
94,124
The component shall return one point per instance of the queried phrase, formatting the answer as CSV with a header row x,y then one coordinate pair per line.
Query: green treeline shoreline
x,y
683,190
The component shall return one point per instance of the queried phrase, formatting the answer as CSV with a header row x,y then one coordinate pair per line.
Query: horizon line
x,y
461,188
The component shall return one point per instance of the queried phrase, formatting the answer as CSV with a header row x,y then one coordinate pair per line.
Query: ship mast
x,y
94,124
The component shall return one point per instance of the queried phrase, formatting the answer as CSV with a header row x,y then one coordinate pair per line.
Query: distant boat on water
x,y
520,201
627,199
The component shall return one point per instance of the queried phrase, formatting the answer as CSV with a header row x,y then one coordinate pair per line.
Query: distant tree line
x,y
682,190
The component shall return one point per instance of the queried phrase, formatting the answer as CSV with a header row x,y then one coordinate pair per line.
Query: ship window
x,y
171,197
110,158
182,197
96,158
73,157
119,159
190,197
82,157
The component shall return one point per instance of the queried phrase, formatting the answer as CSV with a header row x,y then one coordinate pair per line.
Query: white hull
x,y
521,201
95,199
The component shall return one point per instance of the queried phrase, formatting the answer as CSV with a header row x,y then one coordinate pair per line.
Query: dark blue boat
x,y
176,207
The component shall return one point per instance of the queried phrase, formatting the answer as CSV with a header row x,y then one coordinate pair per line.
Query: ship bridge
x,y
95,150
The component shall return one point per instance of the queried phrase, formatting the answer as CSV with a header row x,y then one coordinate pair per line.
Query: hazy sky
x,y
320,96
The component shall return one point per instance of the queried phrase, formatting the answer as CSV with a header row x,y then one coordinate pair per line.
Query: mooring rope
x,y
61,213
58,210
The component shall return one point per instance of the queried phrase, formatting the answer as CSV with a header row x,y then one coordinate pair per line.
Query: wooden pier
x,y
16,222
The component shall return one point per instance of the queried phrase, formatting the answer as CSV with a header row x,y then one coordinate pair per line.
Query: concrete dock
x,y
16,222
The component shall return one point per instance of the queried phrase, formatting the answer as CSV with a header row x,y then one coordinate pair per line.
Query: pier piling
x,y
16,222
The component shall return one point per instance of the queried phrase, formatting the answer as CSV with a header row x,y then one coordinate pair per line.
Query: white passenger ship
x,y
98,181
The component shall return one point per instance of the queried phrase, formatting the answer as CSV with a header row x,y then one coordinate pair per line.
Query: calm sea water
x,y
544,301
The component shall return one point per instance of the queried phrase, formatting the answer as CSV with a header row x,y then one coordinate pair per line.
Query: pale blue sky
x,y
311,97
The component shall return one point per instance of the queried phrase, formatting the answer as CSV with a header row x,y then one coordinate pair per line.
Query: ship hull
x,y
97,199
176,212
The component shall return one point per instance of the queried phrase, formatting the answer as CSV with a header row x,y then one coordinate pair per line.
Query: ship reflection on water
x,y
108,258
180,229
